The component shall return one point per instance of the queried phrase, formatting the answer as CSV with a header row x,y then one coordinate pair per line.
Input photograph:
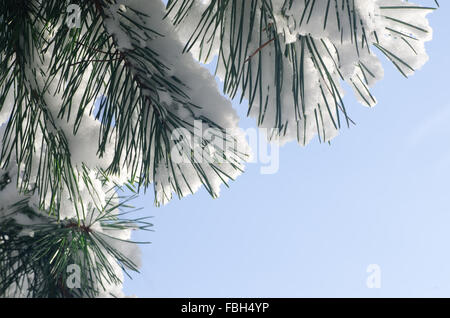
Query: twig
x,y
259,49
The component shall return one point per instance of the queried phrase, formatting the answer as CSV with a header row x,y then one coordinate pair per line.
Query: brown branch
x,y
259,49
80,227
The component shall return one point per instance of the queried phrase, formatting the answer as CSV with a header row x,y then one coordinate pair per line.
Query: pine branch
x,y
302,42
132,113
31,123
36,265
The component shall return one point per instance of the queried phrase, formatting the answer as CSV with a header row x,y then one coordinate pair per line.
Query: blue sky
x,y
380,194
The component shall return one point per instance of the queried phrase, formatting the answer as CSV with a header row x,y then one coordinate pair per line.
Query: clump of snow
x,y
345,34
204,102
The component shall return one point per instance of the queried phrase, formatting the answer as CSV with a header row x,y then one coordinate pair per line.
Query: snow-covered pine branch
x,y
63,155
289,57
89,110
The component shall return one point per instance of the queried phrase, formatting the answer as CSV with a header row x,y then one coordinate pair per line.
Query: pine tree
x,y
103,98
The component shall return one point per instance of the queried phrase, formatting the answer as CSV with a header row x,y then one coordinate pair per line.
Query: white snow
x,y
361,68
384,25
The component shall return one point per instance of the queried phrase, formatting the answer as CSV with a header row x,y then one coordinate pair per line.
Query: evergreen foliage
x,y
88,112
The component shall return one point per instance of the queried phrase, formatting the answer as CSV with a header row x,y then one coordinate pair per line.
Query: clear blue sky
x,y
380,194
